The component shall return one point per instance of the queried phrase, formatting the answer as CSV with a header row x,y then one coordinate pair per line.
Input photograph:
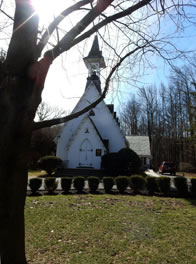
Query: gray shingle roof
x,y
140,144
95,52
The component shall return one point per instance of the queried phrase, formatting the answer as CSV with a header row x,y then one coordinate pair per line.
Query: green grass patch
x,y
36,173
104,229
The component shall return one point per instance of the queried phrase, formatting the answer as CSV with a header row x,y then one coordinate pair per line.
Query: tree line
x,y
166,114
30,54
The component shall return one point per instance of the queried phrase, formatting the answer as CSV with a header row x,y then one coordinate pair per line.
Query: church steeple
x,y
94,61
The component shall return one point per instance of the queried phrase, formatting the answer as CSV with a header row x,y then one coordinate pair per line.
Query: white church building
x,y
83,140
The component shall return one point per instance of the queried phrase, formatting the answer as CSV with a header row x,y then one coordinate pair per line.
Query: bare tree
x,y
183,79
149,106
46,111
26,67
194,118
169,117
130,117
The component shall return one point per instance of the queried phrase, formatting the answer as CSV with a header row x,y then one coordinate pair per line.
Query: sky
x,y
66,79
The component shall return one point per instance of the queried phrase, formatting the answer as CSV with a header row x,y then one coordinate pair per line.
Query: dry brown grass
x,y
186,174
37,173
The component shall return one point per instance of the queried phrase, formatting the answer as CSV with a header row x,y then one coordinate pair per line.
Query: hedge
x,y
50,184
164,185
93,183
66,184
108,183
35,184
152,184
122,182
137,183
193,187
181,186
49,163
79,183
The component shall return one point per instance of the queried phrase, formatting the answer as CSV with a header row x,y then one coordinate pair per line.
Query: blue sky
x,y
69,80
67,77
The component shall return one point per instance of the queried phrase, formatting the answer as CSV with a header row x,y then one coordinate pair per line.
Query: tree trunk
x,y
12,216
13,184
17,107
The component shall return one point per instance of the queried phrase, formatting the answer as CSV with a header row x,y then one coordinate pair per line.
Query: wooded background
x,y
167,114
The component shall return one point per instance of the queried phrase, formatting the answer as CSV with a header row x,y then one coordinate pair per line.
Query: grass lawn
x,y
35,173
186,174
110,229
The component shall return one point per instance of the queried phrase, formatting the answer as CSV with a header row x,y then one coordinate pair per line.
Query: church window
x,y
91,113
98,152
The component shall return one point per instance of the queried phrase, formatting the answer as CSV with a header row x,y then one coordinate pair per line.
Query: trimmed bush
x,y
79,183
152,184
108,183
50,184
125,162
111,163
164,185
66,184
181,186
122,183
137,183
130,161
49,164
35,184
193,187
93,183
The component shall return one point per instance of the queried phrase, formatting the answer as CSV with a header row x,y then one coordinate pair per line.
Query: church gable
x,y
70,128
104,119
90,95
108,127
86,146
85,139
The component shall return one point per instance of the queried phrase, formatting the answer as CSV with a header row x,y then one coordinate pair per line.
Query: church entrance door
x,y
86,152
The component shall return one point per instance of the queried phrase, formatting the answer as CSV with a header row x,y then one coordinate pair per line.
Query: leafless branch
x,y
70,40
49,123
6,14
43,41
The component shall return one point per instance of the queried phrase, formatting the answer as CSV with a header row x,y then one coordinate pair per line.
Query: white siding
x,y
72,134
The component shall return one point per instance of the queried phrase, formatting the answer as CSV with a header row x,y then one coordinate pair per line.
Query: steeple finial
x,y
94,61
95,52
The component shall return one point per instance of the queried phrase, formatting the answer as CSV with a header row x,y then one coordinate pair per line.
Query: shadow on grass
x,y
80,192
67,193
191,200
96,192
36,194
51,193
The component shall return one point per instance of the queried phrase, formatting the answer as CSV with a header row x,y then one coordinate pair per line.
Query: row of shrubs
x,y
125,162
137,183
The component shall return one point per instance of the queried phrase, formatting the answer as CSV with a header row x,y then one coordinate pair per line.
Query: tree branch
x,y
75,31
57,121
43,41
68,41
6,14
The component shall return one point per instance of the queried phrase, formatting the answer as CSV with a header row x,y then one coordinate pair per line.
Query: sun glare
x,y
47,9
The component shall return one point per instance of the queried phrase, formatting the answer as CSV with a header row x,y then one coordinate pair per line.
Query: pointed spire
x,y
94,61
95,52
